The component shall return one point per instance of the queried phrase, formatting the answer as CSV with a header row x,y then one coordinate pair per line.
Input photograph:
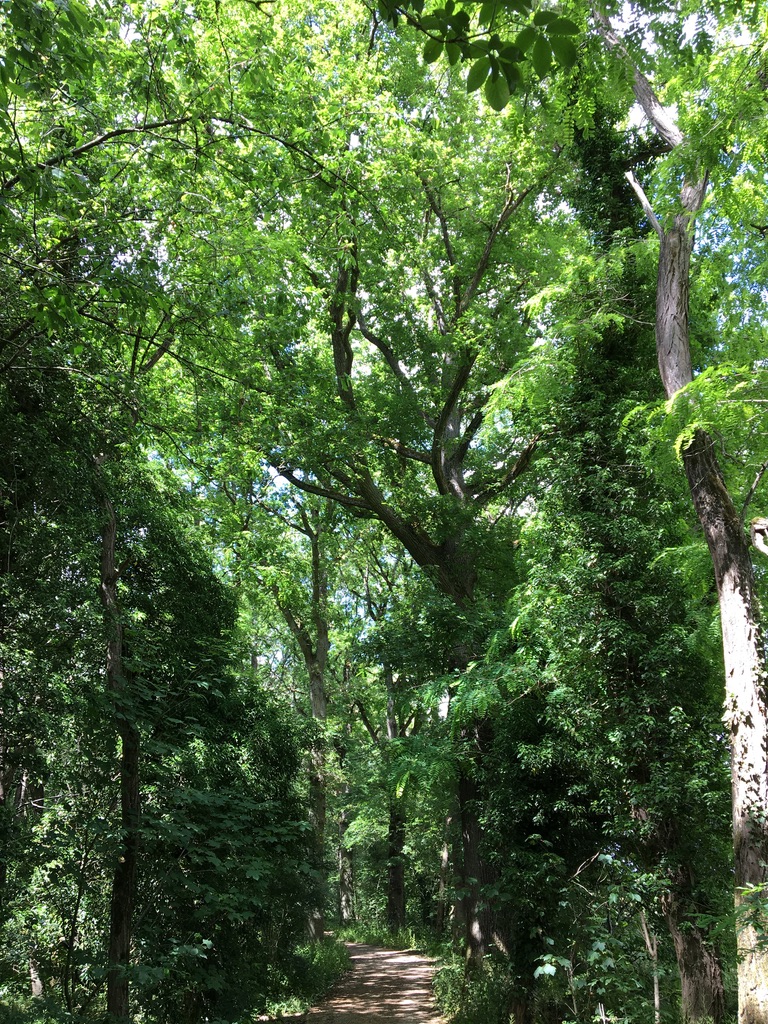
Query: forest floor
x,y
383,986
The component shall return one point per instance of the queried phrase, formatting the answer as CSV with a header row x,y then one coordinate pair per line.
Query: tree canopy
x,y
382,469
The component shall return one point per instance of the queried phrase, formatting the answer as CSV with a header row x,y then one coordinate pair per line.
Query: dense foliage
x,y
382,440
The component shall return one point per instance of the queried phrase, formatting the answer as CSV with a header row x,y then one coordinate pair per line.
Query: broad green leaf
x,y
453,52
545,969
478,73
544,17
511,55
520,6
433,48
497,92
513,76
563,27
487,12
526,38
541,56
565,52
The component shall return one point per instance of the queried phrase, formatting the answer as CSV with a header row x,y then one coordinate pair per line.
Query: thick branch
x,y
459,453
402,449
373,733
642,88
449,407
347,500
647,209
343,320
751,492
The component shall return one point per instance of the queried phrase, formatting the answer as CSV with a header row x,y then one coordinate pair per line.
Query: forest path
x,y
384,985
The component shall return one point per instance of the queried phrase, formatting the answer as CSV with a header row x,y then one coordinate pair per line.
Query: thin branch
x,y
391,360
440,214
515,470
512,204
751,492
102,140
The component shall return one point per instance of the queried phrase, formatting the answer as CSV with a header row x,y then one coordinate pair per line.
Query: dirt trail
x,y
383,986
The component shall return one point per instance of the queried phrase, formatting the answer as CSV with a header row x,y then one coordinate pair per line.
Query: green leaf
x,y
497,92
487,12
565,52
520,6
563,27
544,17
545,969
541,56
513,76
478,73
511,55
432,50
453,52
526,38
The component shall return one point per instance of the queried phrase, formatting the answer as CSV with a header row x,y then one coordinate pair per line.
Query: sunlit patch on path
x,y
383,985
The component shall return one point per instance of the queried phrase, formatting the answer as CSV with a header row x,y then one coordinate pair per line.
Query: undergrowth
x,y
422,940
295,982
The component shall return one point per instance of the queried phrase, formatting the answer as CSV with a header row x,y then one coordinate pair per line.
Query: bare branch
x,y
642,88
751,492
647,209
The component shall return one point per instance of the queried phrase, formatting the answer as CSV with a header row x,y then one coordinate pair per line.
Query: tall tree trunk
x,y
318,802
396,869
315,649
745,714
743,650
442,883
346,874
701,976
124,878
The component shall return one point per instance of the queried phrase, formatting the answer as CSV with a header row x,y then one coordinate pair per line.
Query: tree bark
x,y
124,878
745,714
396,869
315,650
743,649
701,976
346,874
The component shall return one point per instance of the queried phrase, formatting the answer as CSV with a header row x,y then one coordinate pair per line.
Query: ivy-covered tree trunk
x,y
318,796
346,873
701,975
395,868
125,873
743,650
